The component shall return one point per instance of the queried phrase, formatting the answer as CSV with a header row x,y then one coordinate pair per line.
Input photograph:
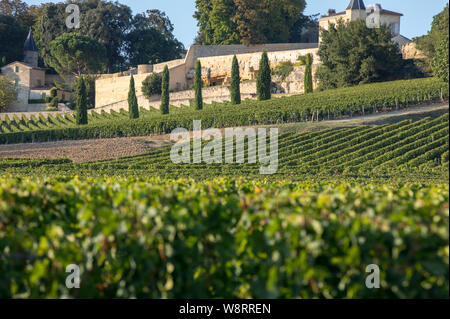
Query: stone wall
x,y
216,63
210,94
218,68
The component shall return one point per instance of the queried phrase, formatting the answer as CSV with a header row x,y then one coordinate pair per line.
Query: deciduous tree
x,y
8,93
352,54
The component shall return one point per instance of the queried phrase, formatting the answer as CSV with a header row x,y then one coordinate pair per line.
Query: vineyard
x,y
224,238
331,104
343,197
403,148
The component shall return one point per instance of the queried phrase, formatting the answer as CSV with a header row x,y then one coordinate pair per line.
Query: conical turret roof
x,y
30,45
356,5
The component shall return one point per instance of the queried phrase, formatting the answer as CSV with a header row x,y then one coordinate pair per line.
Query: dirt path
x,y
410,112
102,149
86,150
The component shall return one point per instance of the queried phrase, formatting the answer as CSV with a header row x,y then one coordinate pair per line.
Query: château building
x,y
32,83
375,16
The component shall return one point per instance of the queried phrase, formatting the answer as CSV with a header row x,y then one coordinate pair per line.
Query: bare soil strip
x,y
86,150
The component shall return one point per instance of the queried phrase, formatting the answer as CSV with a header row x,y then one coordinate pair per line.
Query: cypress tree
x,y
165,95
235,88
198,84
133,107
308,74
264,79
81,102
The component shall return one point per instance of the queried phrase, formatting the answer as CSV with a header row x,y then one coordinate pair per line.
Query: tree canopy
x,y
352,54
435,44
113,25
11,33
249,21
151,40
76,54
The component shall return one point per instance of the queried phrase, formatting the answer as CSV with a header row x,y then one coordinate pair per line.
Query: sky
x,y
418,14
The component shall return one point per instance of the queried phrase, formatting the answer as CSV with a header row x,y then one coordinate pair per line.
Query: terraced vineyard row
x,y
331,104
407,146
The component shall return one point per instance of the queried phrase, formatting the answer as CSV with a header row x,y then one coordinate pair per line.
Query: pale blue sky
x,y
416,21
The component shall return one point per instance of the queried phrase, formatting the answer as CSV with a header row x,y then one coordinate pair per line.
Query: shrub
x,y
152,85
264,81
283,70
53,92
53,102
133,107
235,88
198,85
165,94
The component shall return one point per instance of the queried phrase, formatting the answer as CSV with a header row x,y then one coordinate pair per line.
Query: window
x,y
44,95
395,28
16,69
16,83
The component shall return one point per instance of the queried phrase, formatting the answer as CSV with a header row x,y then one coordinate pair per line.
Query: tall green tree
x,y
198,85
8,93
20,11
12,38
235,88
165,93
89,82
142,38
348,59
440,60
264,79
430,43
307,61
151,39
106,22
81,103
76,54
133,107
249,21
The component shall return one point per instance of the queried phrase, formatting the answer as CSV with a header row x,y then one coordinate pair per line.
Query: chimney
x,y
331,12
377,7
